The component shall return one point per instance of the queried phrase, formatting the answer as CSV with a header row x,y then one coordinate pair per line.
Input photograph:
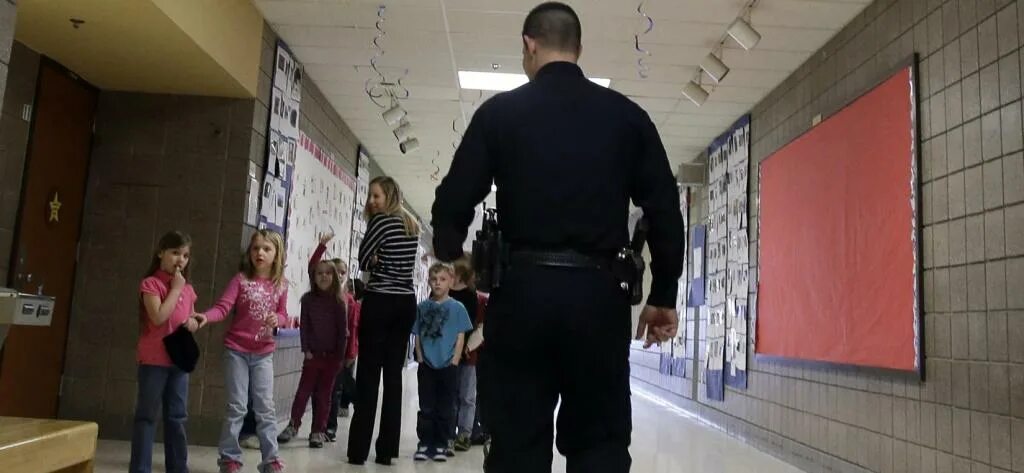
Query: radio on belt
x,y
17,308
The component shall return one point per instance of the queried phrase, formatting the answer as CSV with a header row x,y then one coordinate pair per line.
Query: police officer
x,y
567,156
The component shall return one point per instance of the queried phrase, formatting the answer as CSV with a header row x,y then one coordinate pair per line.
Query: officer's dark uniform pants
x,y
383,346
557,334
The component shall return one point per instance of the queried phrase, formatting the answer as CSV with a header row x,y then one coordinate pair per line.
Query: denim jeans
x,y
163,387
437,389
247,373
466,401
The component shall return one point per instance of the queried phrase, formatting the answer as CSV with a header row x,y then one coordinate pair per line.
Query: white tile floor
x,y
665,439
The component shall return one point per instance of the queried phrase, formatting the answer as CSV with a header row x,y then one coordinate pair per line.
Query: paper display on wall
x,y
727,257
734,153
282,141
321,201
358,220
714,359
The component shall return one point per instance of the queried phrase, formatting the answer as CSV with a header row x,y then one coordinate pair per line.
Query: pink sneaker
x,y
230,466
273,466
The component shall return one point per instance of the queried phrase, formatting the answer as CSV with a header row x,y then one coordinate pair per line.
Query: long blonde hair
x,y
277,269
392,204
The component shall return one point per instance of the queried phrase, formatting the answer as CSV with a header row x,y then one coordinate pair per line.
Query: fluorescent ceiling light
x,y
501,81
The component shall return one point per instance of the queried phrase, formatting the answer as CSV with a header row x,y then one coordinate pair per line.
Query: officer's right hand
x,y
658,324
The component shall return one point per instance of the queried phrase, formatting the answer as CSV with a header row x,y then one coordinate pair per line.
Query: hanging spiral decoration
x,y
455,126
380,87
436,175
458,134
642,69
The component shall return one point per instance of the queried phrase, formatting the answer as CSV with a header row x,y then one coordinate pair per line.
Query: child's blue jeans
x,y
163,387
248,374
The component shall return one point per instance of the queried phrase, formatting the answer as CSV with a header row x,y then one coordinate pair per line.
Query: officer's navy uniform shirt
x,y
567,156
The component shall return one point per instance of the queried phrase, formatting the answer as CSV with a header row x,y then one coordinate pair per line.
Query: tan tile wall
x,y
969,414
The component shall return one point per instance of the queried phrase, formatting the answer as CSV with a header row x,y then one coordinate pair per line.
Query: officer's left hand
x,y
659,324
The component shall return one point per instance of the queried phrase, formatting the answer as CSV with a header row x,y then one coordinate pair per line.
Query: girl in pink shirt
x,y
259,297
167,302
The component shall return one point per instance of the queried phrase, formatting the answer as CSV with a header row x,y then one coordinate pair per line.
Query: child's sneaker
x,y
251,442
462,444
440,455
273,466
422,454
317,440
230,466
288,434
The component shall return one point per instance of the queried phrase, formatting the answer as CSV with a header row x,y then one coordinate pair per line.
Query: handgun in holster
x,y
490,253
628,266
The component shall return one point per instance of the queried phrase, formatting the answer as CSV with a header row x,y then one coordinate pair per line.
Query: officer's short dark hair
x,y
554,25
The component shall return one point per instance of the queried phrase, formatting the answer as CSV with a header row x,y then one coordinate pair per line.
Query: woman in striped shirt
x,y
388,253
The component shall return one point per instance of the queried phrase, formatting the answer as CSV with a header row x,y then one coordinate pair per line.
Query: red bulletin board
x,y
838,279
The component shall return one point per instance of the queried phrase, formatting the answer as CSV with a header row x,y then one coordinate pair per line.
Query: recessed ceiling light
x,y
500,81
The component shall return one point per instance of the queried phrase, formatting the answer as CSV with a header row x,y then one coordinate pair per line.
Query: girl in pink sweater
x,y
259,297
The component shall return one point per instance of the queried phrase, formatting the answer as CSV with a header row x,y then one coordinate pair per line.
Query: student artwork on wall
x,y
696,296
321,202
679,364
725,248
282,141
358,219
736,149
421,273
714,356
715,293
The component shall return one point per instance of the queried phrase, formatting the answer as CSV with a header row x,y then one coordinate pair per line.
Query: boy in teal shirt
x,y
440,326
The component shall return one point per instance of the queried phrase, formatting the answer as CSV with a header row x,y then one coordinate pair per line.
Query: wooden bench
x,y
46,445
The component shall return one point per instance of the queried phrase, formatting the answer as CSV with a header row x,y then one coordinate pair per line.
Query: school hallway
x,y
665,439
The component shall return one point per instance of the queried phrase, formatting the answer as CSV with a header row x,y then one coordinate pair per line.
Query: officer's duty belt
x,y
558,259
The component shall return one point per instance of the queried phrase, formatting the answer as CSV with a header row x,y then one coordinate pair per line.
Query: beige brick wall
x,y
13,133
969,414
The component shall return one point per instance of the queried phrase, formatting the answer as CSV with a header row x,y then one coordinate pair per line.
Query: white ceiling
x,y
332,38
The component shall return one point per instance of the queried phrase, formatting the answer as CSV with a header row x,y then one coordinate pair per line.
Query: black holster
x,y
628,268
490,253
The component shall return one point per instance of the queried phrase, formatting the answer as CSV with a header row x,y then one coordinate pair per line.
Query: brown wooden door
x,y
46,240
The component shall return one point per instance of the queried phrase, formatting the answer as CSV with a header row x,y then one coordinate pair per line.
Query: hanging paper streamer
x,y
642,68
380,87
436,175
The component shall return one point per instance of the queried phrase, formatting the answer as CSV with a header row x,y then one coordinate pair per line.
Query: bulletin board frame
x,y
910,65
